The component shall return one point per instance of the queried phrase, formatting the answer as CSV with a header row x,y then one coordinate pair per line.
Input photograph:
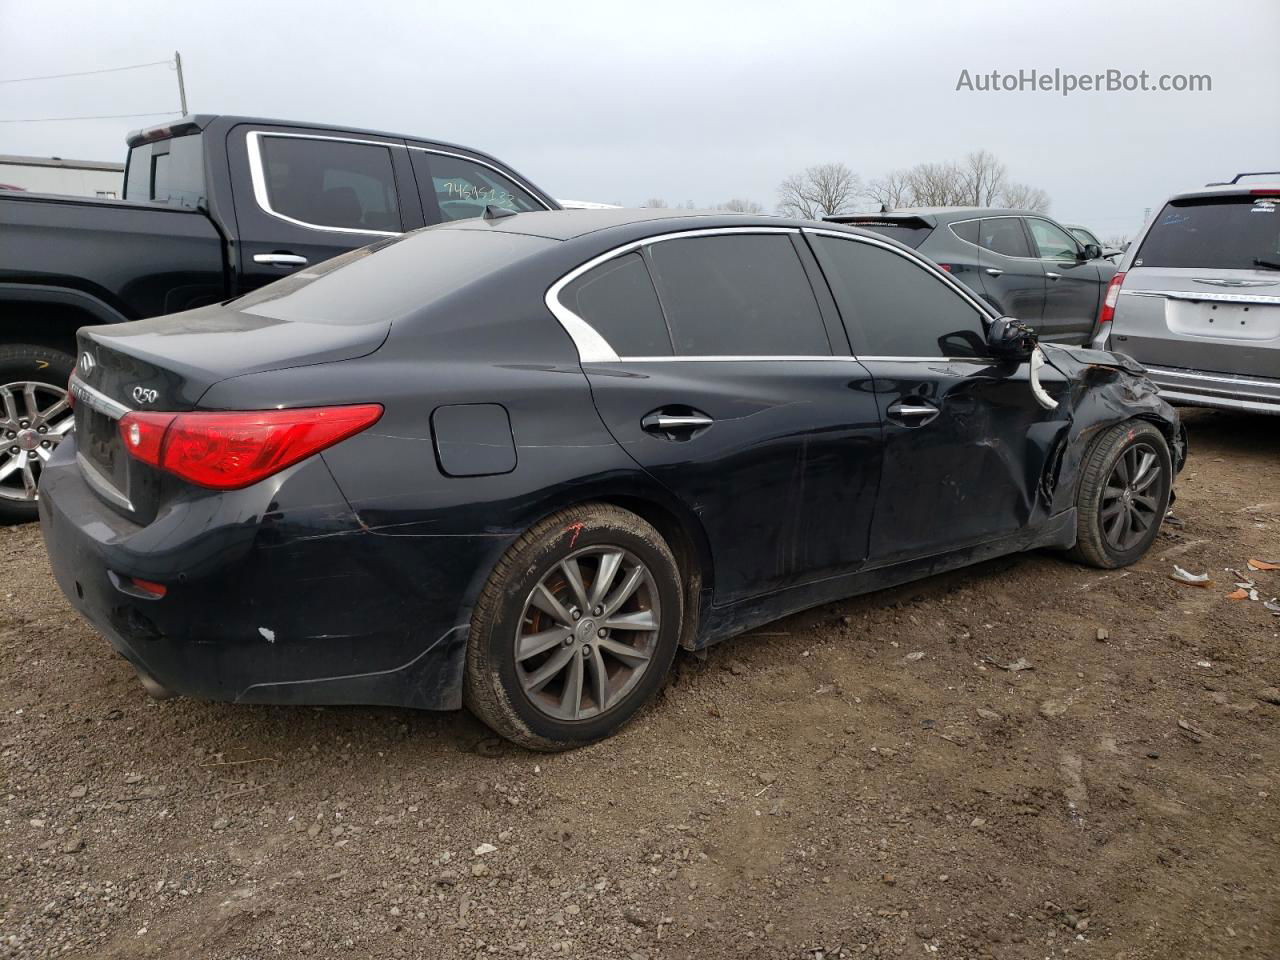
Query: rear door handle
x,y
913,413
280,259
994,271
675,424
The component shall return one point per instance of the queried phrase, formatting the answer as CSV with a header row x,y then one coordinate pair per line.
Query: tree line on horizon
x,y
829,189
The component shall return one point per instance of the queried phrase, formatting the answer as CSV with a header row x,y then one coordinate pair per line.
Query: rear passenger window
x,y
742,296
1005,235
331,183
618,300
893,307
967,230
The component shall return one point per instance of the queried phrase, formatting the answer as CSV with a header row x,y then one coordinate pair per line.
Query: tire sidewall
x,y
528,568
1136,433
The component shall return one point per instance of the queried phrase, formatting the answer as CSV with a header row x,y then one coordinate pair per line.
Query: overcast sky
x,y
698,101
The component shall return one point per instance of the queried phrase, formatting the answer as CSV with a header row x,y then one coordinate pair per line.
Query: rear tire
x,y
48,369
1124,494
554,659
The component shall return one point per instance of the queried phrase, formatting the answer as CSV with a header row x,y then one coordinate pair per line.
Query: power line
x,y
86,73
111,116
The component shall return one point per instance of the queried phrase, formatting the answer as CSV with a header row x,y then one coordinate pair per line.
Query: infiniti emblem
x,y
87,363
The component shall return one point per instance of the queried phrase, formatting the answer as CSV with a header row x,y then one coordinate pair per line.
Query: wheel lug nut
x,y
599,610
575,613
586,649
602,633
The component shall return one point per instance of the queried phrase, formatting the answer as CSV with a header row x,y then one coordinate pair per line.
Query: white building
x,y
80,178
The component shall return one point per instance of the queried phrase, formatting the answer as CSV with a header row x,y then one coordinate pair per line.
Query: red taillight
x,y
1108,311
1265,192
230,450
945,266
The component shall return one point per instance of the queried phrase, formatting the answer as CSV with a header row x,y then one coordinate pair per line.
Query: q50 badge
x,y
144,395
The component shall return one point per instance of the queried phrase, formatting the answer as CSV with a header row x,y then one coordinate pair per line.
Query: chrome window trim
x,y
594,348
978,246
96,399
1259,298
101,484
258,177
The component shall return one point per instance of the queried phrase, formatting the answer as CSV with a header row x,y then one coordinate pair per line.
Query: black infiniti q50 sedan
x,y
516,462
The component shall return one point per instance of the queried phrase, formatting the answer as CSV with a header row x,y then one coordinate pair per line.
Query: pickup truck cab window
x,y
893,306
168,171
331,183
463,188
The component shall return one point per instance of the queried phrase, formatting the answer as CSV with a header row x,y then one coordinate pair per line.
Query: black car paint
x,y
354,572
1063,307
117,260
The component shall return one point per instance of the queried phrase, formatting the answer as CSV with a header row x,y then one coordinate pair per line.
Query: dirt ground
x,y
863,779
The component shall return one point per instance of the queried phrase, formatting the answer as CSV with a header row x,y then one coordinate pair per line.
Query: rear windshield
x,y
912,233
167,171
1217,233
392,278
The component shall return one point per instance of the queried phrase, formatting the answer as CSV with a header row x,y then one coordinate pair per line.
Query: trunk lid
x,y
168,364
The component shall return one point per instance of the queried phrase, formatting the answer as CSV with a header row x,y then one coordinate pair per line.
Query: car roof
x,y
571,224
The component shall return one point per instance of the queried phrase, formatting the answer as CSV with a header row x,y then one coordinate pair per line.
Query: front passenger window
x,y
463,188
1052,242
894,307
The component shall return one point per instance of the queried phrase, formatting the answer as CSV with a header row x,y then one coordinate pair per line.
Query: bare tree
x,y
1019,196
656,203
821,191
892,190
982,178
935,185
738,205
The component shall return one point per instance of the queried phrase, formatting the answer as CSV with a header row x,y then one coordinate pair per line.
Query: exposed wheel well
x,y
694,570
47,324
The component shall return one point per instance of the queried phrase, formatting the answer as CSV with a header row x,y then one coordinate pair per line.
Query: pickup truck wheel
x,y
34,417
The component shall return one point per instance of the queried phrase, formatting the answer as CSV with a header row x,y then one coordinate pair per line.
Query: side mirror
x,y
1092,251
1010,339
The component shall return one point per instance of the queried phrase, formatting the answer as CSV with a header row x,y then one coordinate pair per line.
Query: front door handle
x,y
675,425
280,259
994,271
1053,276
913,413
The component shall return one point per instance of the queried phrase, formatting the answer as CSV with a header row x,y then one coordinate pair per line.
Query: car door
x,y
1012,277
1073,283
718,375
301,198
965,442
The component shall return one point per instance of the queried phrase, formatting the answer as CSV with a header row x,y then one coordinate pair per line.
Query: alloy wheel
x,y
588,632
1129,500
34,418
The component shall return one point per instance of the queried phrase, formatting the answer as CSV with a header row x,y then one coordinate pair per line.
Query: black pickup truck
x,y
213,207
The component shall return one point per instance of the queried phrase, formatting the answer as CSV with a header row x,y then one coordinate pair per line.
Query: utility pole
x,y
182,89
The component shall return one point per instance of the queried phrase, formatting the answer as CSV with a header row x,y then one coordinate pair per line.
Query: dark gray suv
x,y
1022,263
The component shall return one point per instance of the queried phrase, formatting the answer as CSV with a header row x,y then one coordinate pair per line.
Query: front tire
x,y
1123,496
575,629
34,417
